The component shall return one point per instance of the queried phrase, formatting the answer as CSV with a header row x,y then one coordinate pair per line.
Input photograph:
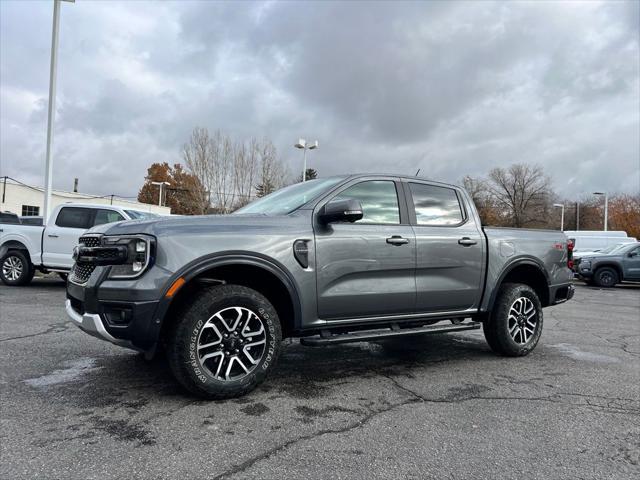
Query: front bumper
x,y
118,311
92,324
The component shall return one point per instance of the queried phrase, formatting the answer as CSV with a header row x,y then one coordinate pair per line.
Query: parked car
x,y
610,269
27,248
592,240
605,251
330,261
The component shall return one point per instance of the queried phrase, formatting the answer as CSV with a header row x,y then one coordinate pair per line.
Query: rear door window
x,y
74,217
436,206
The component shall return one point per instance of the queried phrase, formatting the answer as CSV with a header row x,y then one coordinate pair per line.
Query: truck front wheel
x,y
515,324
16,269
225,343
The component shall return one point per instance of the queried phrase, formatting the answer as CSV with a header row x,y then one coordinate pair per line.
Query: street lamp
x,y
48,169
606,208
561,205
160,194
302,144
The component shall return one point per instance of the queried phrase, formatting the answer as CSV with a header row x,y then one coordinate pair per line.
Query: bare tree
x,y
229,169
245,168
522,191
197,156
273,174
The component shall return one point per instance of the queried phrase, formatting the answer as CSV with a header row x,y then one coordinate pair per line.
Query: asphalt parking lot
x,y
443,407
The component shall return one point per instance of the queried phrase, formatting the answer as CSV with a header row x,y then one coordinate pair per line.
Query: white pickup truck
x,y
27,248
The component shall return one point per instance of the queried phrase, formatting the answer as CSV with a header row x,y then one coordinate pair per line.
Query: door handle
x,y
466,242
397,240
52,235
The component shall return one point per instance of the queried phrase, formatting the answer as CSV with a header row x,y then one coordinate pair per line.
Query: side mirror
x,y
343,210
632,254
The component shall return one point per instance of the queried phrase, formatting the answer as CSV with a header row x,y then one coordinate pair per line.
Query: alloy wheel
x,y
12,268
523,320
231,343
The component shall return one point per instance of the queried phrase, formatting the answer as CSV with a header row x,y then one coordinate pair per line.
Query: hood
x,y
161,226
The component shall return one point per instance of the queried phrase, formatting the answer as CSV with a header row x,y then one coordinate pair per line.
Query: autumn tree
x,y
624,214
481,196
185,194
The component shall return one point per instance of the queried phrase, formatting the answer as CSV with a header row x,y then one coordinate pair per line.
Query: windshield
x,y
287,199
138,215
612,248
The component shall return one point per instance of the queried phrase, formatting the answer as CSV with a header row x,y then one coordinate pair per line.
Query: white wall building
x,y
26,200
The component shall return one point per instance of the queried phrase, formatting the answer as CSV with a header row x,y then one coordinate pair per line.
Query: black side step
x,y
320,340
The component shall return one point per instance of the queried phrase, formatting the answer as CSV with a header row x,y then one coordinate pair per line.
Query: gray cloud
x,y
453,88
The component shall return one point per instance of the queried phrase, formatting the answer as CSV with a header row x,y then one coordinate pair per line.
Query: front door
x,y
631,264
450,249
366,268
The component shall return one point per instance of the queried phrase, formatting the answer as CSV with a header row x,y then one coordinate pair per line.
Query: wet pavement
x,y
437,407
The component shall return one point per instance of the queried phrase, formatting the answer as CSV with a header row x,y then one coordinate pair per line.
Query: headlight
x,y
585,265
139,255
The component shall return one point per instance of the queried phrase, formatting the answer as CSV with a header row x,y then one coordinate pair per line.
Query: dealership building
x,y
27,200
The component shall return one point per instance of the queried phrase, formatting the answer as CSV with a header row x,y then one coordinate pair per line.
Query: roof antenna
x,y
417,172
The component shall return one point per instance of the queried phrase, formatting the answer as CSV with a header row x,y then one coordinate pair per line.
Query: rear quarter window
x,y
74,217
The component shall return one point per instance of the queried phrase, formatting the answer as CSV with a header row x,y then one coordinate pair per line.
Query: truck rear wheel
x,y
515,324
16,269
225,343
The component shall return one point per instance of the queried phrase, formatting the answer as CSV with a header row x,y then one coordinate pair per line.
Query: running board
x,y
327,338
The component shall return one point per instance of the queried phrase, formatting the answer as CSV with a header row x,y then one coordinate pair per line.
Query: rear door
x,y
449,248
367,268
62,235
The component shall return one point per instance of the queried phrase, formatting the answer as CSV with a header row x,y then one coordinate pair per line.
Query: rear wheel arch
x,y
264,275
525,271
13,245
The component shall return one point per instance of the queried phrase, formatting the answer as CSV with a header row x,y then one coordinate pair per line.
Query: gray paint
x,y
353,274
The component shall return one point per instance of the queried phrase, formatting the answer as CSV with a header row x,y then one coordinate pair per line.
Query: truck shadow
x,y
302,372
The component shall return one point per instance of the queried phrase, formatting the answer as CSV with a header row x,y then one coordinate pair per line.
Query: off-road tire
x,y
184,341
496,327
606,277
26,273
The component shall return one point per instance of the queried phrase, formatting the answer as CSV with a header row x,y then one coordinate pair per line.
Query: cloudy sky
x,y
453,88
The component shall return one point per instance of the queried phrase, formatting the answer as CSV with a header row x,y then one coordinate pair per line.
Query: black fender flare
x,y
509,267
235,257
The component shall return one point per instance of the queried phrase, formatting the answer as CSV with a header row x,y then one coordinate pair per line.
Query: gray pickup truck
x,y
334,260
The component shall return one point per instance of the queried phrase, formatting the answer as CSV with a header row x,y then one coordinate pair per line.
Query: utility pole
x,y
48,170
161,184
577,216
606,208
302,145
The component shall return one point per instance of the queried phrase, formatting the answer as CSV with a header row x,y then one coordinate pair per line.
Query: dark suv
x,y
608,270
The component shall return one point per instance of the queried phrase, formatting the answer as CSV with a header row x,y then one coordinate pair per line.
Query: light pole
x,y
561,215
302,144
160,194
606,208
48,169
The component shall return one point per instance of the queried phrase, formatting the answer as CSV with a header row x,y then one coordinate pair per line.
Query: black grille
x,y
90,241
80,272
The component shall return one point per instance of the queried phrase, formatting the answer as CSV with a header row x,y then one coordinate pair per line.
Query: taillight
x,y
570,253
